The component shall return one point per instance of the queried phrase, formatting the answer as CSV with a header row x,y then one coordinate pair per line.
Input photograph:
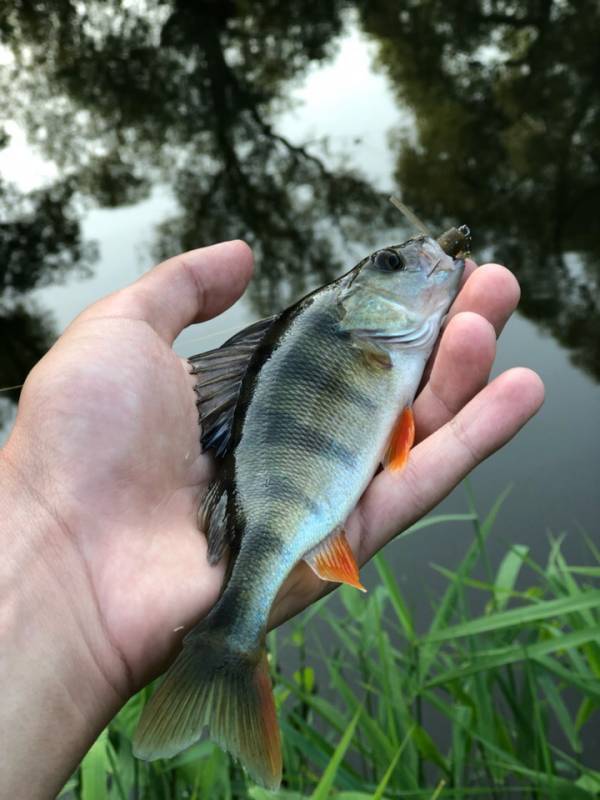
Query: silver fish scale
x,y
313,436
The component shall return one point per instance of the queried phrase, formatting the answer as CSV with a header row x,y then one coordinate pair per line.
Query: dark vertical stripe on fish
x,y
279,488
284,429
307,372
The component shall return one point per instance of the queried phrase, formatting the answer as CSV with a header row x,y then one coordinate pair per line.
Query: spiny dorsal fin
x,y
220,373
333,560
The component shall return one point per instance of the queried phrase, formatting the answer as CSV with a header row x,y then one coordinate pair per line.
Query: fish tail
x,y
211,684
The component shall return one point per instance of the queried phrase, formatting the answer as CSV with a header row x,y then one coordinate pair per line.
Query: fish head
x,y
422,273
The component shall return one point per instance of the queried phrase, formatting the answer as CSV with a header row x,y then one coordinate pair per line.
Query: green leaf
x,y
585,711
438,790
395,597
69,788
487,660
258,793
590,783
325,784
460,744
561,711
588,685
95,769
448,603
381,787
518,616
559,787
428,749
507,574
438,519
353,601
305,678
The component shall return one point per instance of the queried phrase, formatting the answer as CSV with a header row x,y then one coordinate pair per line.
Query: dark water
x,y
133,133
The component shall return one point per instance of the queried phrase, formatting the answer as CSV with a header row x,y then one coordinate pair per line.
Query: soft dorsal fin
x,y
220,373
333,560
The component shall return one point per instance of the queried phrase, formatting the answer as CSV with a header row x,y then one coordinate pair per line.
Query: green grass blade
x,y
69,789
95,769
390,770
487,660
448,603
395,597
507,574
326,783
552,785
439,789
438,519
561,712
588,685
517,616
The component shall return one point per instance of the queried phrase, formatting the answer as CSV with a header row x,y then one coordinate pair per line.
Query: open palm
x,y
109,429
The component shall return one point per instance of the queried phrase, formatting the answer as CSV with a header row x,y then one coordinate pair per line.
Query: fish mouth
x,y
433,259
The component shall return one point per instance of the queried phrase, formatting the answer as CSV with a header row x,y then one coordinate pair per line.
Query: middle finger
x,y
462,361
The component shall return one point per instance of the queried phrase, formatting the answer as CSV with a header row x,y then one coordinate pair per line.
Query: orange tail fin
x,y
230,693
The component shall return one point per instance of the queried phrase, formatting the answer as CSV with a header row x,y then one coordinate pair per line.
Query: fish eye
x,y
388,260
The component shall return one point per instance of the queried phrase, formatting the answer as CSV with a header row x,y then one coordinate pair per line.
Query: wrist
x,y
58,688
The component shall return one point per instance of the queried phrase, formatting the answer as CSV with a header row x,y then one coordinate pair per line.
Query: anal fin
x,y
402,439
333,560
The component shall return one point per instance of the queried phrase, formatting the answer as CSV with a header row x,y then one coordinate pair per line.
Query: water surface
x,y
135,132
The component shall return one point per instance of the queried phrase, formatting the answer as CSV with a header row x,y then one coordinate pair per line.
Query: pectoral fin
x,y
376,355
333,560
402,439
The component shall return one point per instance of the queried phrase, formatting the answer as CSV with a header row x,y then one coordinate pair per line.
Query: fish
x,y
299,411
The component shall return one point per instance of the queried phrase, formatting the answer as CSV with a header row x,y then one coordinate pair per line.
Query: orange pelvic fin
x,y
402,439
333,560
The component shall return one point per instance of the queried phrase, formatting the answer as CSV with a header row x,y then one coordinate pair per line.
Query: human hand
x,y
100,480
106,447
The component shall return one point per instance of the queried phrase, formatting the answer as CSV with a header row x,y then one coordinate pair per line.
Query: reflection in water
x,y
507,138
26,333
40,243
506,98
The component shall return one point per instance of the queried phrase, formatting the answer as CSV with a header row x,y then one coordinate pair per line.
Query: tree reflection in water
x,y
506,97
507,107
40,243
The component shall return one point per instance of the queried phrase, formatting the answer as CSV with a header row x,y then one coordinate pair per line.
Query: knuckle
x,y
465,441
414,487
196,283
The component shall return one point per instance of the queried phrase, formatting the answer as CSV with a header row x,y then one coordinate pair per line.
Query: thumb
x,y
187,288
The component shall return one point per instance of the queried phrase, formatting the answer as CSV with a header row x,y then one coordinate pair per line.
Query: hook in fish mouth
x,y
433,269
455,242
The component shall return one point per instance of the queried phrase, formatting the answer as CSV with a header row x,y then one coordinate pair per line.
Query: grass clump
x,y
489,704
